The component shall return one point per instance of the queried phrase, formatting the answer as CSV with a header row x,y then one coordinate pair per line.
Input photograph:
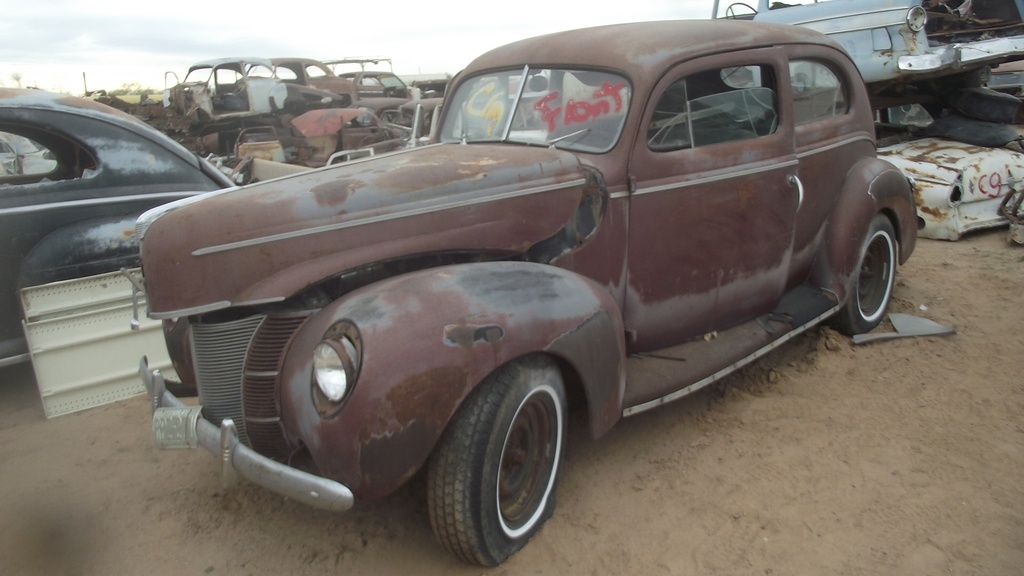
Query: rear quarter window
x,y
818,92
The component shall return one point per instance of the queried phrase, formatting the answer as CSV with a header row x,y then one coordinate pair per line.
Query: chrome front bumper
x,y
177,425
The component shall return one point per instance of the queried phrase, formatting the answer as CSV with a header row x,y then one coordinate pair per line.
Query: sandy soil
x,y
899,457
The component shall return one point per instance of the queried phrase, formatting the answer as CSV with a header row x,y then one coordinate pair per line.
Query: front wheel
x,y
871,289
491,481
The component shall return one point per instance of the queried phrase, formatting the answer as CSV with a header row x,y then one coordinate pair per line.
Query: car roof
x,y
639,46
43,100
277,61
234,60
30,99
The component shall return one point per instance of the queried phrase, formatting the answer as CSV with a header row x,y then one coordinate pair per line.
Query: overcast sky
x,y
49,44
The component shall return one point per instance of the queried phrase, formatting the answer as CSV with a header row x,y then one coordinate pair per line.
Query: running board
x,y
801,309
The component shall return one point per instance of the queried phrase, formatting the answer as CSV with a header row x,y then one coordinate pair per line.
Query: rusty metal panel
x,y
310,225
430,337
958,187
83,349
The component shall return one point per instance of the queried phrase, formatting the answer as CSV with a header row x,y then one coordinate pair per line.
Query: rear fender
x,y
82,249
871,187
428,339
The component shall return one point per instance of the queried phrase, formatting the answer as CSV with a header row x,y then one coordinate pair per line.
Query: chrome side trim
x,y
382,218
834,145
237,458
97,202
634,410
190,311
211,307
725,174
900,18
15,360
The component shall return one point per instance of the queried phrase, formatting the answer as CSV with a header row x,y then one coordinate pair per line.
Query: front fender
x,y
428,339
872,186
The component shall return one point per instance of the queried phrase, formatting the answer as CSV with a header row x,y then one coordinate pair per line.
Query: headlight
x,y
917,17
335,368
329,372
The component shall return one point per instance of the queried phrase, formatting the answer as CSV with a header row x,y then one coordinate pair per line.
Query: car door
x,y
713,199
832,131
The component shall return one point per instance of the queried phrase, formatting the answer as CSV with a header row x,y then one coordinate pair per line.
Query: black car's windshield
x,y
581,110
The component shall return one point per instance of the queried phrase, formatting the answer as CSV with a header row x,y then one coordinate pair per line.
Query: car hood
x,y
266,242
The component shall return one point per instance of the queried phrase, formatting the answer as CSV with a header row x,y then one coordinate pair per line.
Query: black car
x,y
78,176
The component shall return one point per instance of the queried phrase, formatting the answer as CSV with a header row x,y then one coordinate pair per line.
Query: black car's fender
x,y
80,249
429,338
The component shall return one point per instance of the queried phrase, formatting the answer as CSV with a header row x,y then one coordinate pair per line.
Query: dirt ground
x,y
899,457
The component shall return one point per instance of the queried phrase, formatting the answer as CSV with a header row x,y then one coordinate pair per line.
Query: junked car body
x,y
935,56
608,215
229,89
896,43
315,74
339,130
373,83
222,98
70,210
959,187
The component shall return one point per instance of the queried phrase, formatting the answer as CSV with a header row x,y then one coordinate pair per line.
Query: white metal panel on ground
x,y
83,349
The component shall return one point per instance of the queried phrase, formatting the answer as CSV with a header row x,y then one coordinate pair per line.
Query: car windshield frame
x,y
576,109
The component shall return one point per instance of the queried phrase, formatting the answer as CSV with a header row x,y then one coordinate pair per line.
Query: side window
x,y
392,82
817,92
715,106
23,160
286,74
260,71
227,76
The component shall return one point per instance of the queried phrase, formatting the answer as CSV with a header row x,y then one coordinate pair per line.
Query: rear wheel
x,y
871,290
491,481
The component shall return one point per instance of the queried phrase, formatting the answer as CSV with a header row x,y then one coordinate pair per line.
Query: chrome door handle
x,y
794,181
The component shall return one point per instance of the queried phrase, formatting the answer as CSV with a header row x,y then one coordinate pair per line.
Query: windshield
x,y
581,110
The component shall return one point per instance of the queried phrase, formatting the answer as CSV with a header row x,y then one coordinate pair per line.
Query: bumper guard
x,y
177,425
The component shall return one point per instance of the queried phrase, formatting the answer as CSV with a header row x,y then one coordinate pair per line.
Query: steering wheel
x,y
730,12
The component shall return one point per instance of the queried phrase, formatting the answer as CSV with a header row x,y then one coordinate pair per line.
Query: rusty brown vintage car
x,y
316,74
616,217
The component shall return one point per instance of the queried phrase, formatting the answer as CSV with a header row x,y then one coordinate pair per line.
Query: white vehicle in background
x,y
926,65
901,41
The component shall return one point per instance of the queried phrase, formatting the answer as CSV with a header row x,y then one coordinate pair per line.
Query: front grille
x,y
237,365
260,399
219,353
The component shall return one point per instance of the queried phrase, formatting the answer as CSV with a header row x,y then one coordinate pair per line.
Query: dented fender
x,y
428,339
888,192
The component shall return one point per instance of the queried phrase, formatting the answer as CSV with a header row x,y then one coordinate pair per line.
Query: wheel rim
x,y
528,461
874,282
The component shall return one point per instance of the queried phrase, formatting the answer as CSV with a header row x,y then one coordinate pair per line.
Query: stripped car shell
x,y
226,89
315,74
958,187
574,233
